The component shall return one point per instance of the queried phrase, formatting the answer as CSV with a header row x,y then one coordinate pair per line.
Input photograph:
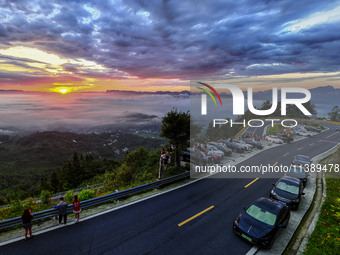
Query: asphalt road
x,y
151,226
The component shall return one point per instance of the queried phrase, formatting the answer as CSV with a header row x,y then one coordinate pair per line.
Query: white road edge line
x,y
253,250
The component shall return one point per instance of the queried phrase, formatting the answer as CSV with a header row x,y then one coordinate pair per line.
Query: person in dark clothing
x,y
62,208
26,222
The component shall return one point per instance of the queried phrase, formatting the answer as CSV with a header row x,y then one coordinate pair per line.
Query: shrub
x,y
17,207
45,196
170,171
69,196
86,194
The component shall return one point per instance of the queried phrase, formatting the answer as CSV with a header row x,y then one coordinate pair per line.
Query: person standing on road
x,y
62,208
76,208
27,217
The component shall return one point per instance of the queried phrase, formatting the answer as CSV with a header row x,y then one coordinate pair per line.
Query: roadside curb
x,y
302,239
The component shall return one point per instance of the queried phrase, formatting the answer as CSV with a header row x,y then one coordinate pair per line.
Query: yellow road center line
x,y
332,135
250,183
311,144
193,217
300,148
254,131
275,164
320,141
286,154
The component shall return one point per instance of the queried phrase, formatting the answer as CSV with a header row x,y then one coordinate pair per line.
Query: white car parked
x,y
247,146
274,139
303,133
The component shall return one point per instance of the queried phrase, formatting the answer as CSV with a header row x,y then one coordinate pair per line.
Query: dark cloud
x,y
177,39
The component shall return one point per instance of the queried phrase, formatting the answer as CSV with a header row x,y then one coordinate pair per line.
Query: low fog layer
x,y
23,112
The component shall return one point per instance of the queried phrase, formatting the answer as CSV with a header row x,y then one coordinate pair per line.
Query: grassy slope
x,y
325,238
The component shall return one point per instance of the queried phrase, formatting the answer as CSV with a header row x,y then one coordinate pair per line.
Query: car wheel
x,y
234,150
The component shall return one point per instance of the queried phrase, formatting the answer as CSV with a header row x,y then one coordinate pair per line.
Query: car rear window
x,y
261,215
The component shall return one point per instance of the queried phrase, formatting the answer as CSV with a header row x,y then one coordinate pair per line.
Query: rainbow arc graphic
x,y
208,92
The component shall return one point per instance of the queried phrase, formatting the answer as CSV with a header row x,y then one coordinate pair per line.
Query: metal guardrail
x,y
96,201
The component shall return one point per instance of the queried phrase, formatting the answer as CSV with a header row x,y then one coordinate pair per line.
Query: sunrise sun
x,y
63,91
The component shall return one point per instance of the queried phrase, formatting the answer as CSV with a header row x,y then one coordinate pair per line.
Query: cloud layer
x,y
83,112
167,39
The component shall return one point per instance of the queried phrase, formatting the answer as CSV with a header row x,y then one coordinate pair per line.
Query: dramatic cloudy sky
x,y
73,47
148,45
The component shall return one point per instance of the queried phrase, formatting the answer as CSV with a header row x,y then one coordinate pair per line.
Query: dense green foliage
x,y
86,194
139,167
68,197
334,115
45,196
277,128
178,127
28,162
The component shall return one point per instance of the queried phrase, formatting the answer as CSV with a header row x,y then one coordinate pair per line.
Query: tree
x,y
176,127
334,115
54,182
212,133
44,184
45,196
294,112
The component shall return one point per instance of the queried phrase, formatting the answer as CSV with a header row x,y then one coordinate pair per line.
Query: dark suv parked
x,y
226,150
288,190
234,147
285,138
253,143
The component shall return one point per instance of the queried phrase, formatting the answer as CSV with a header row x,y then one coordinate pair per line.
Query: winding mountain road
x,y
194,219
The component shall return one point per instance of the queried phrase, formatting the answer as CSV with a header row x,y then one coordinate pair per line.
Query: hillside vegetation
x,y
25,160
